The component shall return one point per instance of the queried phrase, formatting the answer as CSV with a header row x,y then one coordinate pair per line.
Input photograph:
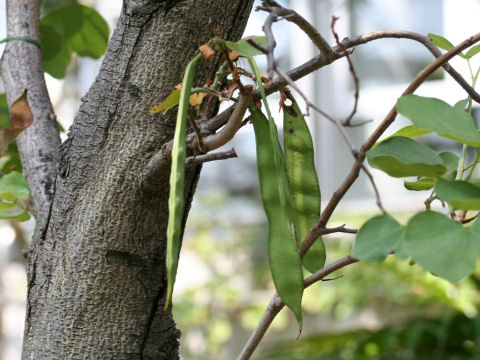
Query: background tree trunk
x,y
96,271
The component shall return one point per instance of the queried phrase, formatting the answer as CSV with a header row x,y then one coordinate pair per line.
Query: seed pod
x,y
302,182
285,262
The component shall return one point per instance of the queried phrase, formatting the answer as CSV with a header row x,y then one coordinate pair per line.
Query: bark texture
x,y
96,272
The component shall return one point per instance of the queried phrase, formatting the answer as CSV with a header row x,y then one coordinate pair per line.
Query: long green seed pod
x,y
303,182
285,262
177,176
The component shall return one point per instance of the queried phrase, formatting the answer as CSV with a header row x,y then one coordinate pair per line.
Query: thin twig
x,y
349,118
267,29
311,31
375,189
276,304
200,159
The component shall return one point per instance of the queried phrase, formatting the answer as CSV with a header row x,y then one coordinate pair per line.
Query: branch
x,y
303,24
200,159
21,67
276,304
358,164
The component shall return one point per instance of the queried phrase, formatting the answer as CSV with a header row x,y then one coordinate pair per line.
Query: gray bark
x,y
96,272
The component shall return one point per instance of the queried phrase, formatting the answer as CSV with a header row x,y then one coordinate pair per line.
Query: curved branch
x,y
276,304
21,67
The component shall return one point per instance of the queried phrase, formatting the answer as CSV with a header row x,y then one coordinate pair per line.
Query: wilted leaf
x,y
21,117
207,51
197,98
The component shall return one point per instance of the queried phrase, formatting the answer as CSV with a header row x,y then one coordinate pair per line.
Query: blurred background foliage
x,y
394,310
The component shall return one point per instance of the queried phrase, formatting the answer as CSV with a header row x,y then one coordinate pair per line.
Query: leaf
x,y
13,186
461,104
377,238
441,245
438,116
450,161
197,99
401,157
56,53
177,175
207,51
72,27
472,51
21,215
171,101
4,116
460,195
21,118
411,132
302,182
284,259
474,231
442,43
243,48
420,184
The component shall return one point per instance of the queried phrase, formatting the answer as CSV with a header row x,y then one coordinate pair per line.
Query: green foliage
x,y
244,48
440,245
401,157
177,176
71,28
436,115
377,238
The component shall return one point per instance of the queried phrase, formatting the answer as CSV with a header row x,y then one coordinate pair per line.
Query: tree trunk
x,y
96,271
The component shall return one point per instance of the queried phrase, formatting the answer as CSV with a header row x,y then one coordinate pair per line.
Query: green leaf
x,y
11,160
302,182
438,116
56,53
459,194
6,205
472,51
4,116
461,104
420,184
244,48
442,42
21,215
177,177
474,231
172,100
450,161
73,27
402,157
377,238
411,132
13,186
440,245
